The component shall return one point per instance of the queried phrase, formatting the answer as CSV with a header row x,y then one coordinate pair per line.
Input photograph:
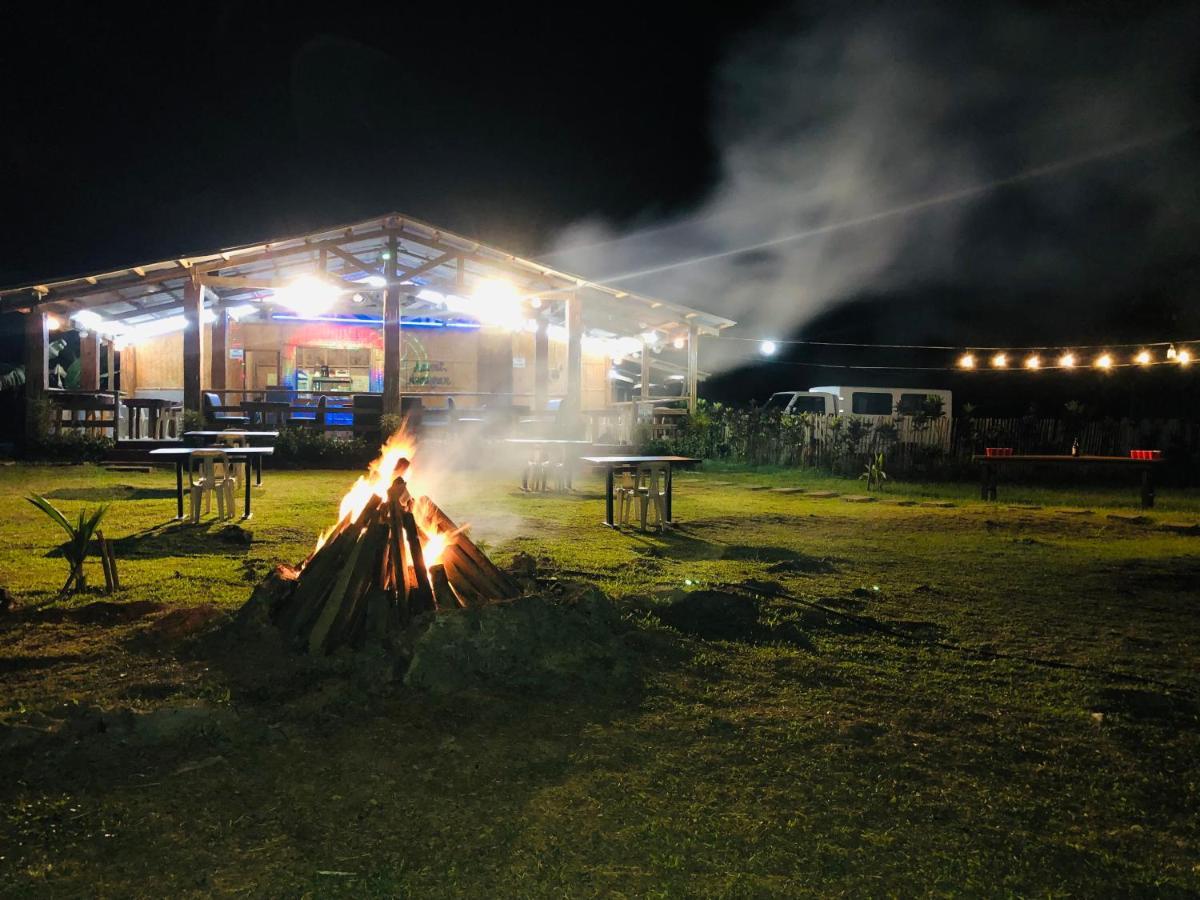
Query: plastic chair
x,y
205,463
626,490
652,492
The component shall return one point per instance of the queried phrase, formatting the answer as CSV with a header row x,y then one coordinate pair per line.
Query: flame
x,y
433,546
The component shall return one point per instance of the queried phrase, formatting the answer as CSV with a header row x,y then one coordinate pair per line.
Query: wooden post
x,y
89,362
37,373
391,335
693,367
645,370
573,401
193,343
541,366
220,349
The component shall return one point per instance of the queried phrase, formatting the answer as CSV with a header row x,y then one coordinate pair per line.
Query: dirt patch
x,y
182,623
103,612
858,498
823,495
804,565
724,616
1129,519
1180,527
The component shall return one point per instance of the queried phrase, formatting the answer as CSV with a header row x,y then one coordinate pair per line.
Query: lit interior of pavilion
x,y
337,328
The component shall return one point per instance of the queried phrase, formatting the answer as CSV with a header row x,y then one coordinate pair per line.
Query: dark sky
x,y
136,135
131,132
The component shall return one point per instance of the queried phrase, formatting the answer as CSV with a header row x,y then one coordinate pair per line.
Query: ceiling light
x,y
307,295
767,348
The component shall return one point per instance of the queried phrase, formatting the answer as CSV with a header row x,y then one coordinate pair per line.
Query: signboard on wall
x,y
518,362
235,352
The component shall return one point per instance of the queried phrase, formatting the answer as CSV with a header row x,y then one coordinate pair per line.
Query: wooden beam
x,y
220,348
193,343
693,367
645,370
346,256
391,335
541,366
37,373
574,397
89,362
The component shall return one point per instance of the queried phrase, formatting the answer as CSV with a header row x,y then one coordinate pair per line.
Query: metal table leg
x,y
1147,488
667,503
179,487
258,458
608,497
249,466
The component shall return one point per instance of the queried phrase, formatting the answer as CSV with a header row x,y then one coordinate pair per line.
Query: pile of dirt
x,y
557,642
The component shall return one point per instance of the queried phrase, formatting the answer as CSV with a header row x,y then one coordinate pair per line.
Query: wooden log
x,y
319,575
443,594
464,578
102,551
396,551
112,564
432,514
421,599
323,624
350,607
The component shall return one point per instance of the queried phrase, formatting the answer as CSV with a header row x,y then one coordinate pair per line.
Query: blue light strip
x,y
373,320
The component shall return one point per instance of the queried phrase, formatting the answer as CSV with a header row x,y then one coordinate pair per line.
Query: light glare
x,y
966,361
767,348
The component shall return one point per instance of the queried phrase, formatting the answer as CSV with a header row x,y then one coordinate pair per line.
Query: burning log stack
x,y
386,562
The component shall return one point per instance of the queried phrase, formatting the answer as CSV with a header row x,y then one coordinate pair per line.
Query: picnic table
x,y
251,457
613,464
274,411
989,465
538,444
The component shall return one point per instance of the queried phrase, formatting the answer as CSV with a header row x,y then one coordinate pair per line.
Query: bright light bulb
x,y
240,310
1033,362
767,348
1171,352
1143,358
1183,357
87,319
53,322
678,343
1104,361
966,361
1067,360
307,296
376,281
535,302
1000,360
650,337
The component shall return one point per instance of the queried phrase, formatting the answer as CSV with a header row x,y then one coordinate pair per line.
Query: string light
x,y
1143,358
1171,352
1183,357
1033,362
1000,360
767,348
966,361
1067,360
1104,361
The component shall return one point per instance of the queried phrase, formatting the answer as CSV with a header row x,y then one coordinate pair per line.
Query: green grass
x,y
951,753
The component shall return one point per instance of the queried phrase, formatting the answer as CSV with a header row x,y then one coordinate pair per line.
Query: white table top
x,y
232,451
635,460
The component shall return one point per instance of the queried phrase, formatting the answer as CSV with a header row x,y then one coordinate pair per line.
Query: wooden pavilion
x,y
390,308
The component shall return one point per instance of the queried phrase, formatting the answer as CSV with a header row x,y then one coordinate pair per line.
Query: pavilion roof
x,y
427,257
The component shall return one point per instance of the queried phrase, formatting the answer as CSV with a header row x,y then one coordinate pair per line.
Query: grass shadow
x,y
109,494
183,539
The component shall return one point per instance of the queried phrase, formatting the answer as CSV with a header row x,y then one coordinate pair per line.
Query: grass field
x,y
988,699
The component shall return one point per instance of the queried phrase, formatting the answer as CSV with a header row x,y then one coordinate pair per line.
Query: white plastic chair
x,y
217,476
652,492
626,491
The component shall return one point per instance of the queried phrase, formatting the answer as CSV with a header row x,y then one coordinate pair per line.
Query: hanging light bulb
x,y
1183,357
678,343
1104,361
1000,360
1067,360
767,348
1033,362
966,361
1143,358
1171,354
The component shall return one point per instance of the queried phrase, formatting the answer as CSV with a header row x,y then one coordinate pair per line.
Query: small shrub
x,y
873,474
299,447
69,447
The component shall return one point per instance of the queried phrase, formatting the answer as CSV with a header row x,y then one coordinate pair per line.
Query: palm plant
x,y
79,536
873,474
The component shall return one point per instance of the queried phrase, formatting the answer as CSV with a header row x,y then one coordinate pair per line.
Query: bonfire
x,y
391,556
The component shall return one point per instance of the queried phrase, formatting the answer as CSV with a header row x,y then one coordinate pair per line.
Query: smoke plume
x,y
995,149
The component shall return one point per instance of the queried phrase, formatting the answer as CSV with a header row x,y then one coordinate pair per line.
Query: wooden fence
x,y
941,446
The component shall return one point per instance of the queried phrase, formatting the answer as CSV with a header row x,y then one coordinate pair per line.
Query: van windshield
x,y
778,401
808,405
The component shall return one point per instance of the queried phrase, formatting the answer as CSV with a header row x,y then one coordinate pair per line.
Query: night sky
x,y
139,134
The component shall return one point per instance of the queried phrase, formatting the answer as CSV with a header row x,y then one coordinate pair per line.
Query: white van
x,y
857,401
882,401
